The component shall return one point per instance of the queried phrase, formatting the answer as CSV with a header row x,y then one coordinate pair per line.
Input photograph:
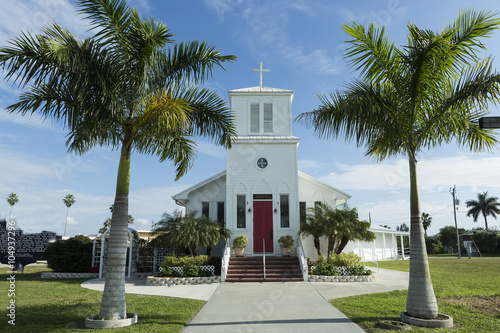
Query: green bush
x,y
321,258
167,271
73,255
286,242
192,270
172,261
240,242
344,259
325,269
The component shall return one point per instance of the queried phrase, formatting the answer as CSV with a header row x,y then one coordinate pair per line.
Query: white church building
x,y
262,194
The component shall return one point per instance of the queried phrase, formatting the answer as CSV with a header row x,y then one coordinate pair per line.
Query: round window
x,y
262,163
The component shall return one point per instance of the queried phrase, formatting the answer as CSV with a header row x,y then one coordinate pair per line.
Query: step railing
x,y
264,256
302,259
225,261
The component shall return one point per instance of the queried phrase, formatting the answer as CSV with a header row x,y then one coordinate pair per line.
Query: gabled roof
x,y
320,183
378,228
261,89
182,197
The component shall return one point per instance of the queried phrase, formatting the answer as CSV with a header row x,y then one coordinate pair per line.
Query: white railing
x,y
374,258
302,259
264,257
225,261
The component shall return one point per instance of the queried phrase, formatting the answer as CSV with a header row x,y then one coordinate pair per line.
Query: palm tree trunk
x,y
113,304
342,245
485,222
421,301
66,222
317,245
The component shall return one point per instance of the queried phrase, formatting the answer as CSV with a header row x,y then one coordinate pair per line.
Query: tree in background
x,y
448,237
412,98
485,206
403,227
426,221
106,224
12,199
68,200
124,88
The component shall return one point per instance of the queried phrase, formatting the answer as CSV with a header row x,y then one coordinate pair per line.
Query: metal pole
x,y
453,192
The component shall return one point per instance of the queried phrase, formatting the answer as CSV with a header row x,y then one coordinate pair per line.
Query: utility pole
x,y
456,202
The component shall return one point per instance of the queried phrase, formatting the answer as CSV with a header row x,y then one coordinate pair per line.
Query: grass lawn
x,y
466,289
61,305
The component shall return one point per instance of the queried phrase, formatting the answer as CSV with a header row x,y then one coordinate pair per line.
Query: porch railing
x,y
225,260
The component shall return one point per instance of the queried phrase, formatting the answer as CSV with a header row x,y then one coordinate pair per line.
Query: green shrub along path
x,y
59,305
466,289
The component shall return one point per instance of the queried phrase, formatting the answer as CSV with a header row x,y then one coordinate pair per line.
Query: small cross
x,y
260,72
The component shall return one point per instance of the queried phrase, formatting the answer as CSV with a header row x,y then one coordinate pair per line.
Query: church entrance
x,y
263,226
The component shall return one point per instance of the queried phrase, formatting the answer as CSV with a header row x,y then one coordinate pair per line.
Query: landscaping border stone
x,y
169,281
352,278
57,275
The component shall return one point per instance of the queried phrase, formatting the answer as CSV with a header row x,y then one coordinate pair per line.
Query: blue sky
x,y
301,42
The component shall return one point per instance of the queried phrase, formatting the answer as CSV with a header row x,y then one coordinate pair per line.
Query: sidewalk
x,y
268,306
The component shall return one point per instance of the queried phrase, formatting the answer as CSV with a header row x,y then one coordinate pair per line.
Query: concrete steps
x,y
251,269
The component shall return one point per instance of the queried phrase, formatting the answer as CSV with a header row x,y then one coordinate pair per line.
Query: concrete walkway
x,y
270,306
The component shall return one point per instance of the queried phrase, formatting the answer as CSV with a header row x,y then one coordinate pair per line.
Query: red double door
x,y
262,226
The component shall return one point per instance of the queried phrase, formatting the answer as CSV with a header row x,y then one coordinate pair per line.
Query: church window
x,y
241,212
220,213
268,117
285,211
262,163
205,208
261,117
303,211
254,117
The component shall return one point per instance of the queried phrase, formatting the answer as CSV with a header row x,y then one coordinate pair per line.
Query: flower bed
x,y
169,281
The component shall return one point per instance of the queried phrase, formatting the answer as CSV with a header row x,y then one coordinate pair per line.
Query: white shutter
x,y
254,117
268,117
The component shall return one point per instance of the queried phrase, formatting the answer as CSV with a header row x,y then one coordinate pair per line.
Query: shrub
x,y
433,245
321,258
344,259
167,271
286,242
187,260
73,255
240,242
325,269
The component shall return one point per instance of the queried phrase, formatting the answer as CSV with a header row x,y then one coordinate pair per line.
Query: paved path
x,y
268,307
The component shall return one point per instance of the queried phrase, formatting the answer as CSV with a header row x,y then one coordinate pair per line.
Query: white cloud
x,y
210,149
437,173
311,165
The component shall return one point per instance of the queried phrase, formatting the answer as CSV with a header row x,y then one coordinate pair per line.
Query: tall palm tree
x,y
483,205
125,88
426,221
68,200
12,199
407,99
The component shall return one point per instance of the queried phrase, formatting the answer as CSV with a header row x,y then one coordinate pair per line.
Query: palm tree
x,y
68,200
188,231
483,205
312,225
124,88
12,199
426,221
416,97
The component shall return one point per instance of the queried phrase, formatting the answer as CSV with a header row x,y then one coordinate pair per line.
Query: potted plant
x,y
239,244
286,243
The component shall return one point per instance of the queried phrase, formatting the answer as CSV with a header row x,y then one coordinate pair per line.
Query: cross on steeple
x,y
260,72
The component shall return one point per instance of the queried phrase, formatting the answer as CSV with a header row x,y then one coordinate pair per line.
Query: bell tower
x,y
262,171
